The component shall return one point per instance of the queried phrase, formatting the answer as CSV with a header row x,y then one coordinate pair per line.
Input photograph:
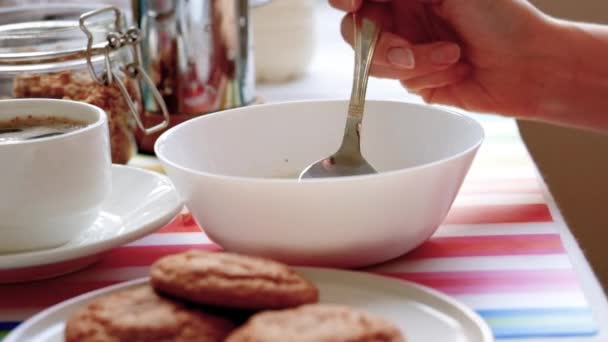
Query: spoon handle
x,y
366,33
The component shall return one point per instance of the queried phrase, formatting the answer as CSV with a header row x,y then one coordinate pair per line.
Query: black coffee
x,y
29,127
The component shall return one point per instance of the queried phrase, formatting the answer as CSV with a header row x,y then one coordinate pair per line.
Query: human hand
x,y
480,55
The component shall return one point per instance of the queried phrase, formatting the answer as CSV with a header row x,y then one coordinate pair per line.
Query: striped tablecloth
x,y
498,251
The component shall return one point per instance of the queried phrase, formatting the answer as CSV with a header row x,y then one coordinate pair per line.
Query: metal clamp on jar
x,y
90,57
117,39
198,54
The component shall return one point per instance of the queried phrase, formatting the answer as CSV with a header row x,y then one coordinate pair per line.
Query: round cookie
x,y
231,280
139,314
318,323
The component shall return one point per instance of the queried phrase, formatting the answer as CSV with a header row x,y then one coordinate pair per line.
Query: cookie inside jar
x,y
78,86
80,53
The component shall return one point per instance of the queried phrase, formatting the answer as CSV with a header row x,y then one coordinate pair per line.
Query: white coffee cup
x,y
52,188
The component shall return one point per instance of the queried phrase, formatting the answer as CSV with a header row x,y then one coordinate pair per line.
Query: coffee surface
x,y
29,127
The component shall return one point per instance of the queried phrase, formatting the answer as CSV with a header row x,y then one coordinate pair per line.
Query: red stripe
x,y
517,213
535,244
531,244
526,244
183,223
52,291
491,245
476,282
45,271
45,293
130,256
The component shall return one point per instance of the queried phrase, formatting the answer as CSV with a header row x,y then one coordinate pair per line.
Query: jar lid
x,y
46,34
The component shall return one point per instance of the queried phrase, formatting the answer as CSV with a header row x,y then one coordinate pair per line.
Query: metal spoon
x,y
18,130
45,135
348,161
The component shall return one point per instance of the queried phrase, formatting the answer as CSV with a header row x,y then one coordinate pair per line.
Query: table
x,y
504,249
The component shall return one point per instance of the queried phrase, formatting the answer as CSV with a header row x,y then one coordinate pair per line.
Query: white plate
x,y
140,202
422,314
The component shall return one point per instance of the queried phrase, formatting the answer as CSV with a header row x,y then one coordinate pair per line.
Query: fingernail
x,y
402,57
445,54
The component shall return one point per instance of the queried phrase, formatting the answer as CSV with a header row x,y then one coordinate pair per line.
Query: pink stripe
x,y
491,245
504,186
476,282
517,213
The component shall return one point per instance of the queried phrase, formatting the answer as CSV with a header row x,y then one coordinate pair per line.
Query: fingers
x,y
408,62
452,75
397,58
381,71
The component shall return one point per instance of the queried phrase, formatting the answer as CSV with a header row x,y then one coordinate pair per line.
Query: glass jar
x,y
80,54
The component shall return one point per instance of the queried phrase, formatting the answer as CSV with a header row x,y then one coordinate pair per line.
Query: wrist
x,y
573,80
551,66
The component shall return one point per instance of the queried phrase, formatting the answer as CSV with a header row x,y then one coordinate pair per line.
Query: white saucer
x,y
422,314
140,202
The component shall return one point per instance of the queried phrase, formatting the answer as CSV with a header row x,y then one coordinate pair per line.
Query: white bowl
x,y
226,168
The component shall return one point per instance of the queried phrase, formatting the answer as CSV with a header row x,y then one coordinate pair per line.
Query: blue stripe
x,y
534,323
525,323
535,312
8,325
540,333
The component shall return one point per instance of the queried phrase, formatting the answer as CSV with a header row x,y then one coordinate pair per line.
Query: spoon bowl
x,y
348,160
